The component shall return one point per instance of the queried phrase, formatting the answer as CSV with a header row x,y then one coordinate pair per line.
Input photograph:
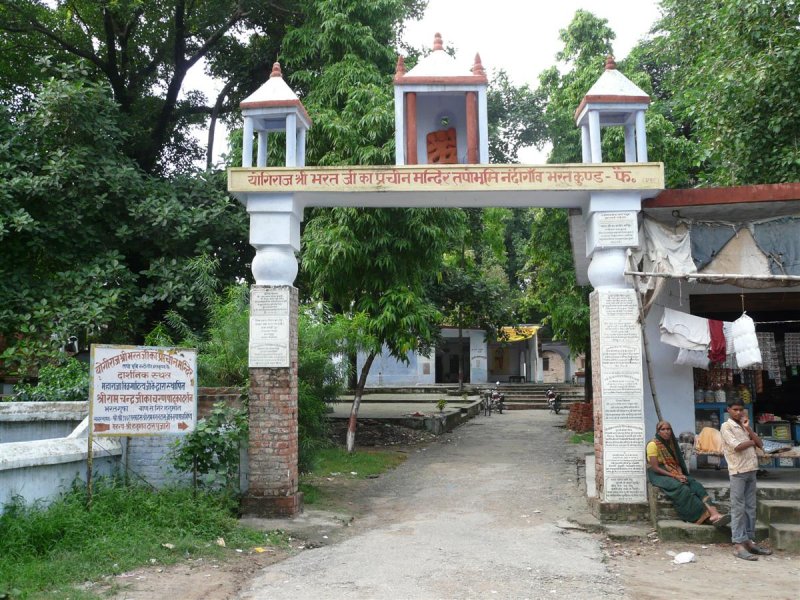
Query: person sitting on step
x,y
667,471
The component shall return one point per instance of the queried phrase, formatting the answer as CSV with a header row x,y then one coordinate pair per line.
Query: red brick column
x,y
472,128
597,390
411,129
272,452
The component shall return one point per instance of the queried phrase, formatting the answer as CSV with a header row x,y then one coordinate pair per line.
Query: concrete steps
x,y
785,536
777,518
677,530
783,517
525,396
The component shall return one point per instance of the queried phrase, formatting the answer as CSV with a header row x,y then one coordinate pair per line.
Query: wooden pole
x,y
89,467
715,276
646,346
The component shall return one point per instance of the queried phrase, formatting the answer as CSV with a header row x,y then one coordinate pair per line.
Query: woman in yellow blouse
x,y
667,471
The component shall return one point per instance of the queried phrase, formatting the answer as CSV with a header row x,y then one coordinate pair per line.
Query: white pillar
x,y
630,144
399,127
483,128
586,148
301,148
291,140
247,143
641,137
261,160
275,234
594,136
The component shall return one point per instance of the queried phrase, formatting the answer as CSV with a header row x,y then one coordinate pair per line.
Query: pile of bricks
x,y
580,417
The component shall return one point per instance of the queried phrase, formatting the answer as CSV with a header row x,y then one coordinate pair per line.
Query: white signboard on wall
x,y
613,230
269,326
142,390
622,390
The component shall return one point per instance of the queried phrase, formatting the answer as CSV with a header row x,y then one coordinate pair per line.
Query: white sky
x,y
520,36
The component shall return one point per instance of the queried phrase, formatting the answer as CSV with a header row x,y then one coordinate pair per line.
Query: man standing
x,y
739,443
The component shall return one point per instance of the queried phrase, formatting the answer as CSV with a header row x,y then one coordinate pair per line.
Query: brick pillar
x,y
272,453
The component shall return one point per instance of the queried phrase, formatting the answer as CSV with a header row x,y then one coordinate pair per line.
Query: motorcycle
x,y
494,400
553,401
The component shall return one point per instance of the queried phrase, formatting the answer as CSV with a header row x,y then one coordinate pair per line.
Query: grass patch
x,y
360,464
49,550
582,438
338,465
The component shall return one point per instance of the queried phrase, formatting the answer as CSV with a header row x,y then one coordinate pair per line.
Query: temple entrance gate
x,y
442,151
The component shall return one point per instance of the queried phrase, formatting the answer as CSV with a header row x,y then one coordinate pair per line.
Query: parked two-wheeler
x,y
553,401
494,401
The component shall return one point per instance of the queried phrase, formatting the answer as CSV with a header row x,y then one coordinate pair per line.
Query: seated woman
x,y
667,471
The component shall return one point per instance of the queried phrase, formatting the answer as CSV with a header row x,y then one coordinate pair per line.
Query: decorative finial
x,y
477,67
276,71
400,69
437,42
610,64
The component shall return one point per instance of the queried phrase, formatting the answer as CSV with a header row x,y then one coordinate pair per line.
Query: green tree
x,y
375,263
736,64
341,60
515,119
143,50
553,290
92,246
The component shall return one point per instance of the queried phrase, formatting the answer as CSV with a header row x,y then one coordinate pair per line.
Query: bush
x,y
222,359
211,451
67,381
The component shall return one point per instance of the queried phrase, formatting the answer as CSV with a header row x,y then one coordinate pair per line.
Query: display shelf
x,y
780,431
703,412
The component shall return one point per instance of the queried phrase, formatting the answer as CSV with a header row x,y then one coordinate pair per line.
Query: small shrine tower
x,y
614,100
274,107
610,219
274,222
440,111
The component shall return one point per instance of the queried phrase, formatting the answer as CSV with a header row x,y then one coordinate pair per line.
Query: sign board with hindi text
x,y
270,316
142,390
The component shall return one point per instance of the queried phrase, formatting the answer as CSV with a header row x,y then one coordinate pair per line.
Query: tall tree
x,y
515,119
143,50
374,262
92,246
737,63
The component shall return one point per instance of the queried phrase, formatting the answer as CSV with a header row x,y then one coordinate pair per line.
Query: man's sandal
x,y
756,549
745,555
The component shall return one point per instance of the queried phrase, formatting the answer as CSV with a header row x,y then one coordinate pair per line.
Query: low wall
x,y
31,421
40,468
43,469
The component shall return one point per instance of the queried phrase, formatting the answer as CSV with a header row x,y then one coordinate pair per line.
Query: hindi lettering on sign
x,y
447,178
132,384
616,229
621,392
269,327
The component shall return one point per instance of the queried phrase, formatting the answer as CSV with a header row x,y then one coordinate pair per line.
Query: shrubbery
x,y
67,381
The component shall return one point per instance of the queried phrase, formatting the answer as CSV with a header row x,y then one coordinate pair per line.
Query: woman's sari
x,y
689,498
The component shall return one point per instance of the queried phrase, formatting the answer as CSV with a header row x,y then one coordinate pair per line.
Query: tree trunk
x,y
213,123
351,424
460,354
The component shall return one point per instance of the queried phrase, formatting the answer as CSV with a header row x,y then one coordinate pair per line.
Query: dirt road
x,y
479,513
475,515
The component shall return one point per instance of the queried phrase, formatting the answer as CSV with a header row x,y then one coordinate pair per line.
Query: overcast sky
x,y
520,36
